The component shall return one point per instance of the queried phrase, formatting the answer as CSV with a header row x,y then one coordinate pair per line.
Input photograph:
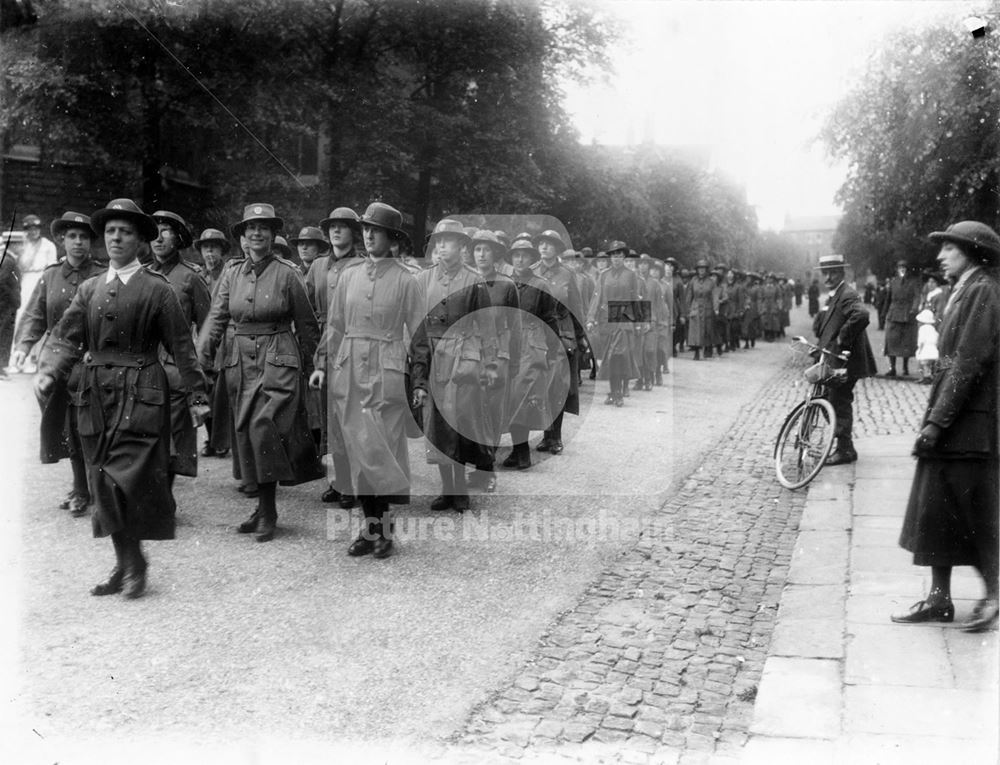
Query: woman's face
x,y
211,253
617,259
77,243
122,241
166,242
377,241
954,262
483,255
308,252
341,235
260,238
522,260
448,250
548,249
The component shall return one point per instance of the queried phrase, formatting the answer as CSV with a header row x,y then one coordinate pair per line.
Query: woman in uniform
x,y
274,339
618,291
702,301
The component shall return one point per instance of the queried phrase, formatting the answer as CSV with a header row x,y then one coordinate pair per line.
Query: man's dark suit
x,y
841,327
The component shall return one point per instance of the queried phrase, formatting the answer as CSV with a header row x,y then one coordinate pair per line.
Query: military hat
x,y
485,236
69,220
685,272
701,263
384,216
672,260
311,234
125,209
281,245
522,246
449,227
470,231
257,211
617,246
212,235
341,215
571,254
550,236
504,237
178,224
973,235
600,255
588,252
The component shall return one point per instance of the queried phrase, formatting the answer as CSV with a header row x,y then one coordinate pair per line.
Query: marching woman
x,y
60,436
117,323
615,297
951,518
702,298
531,396
375,303
750,329
453,353
770,308
274,339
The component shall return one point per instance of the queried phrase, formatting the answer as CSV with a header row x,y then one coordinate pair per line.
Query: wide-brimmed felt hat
x,y
503,236
212,236
672,260
281,244
485,236
470,231
125,209
973,235
311,234
616,246
523,246
600,255
384,216
258,211
449,227
834,260
178,224
701,263
341,215
70,220
550,236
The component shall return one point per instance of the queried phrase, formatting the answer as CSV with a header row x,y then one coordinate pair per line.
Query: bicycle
x,y
806,437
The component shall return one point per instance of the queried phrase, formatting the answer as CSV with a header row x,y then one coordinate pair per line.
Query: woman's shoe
x,y
249,526
922,611
442,502
984,616
110,587
331,495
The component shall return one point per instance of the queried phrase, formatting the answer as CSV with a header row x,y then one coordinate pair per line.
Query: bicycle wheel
x,y
804,443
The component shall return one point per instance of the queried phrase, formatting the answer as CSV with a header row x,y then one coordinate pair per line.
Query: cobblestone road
x,y
660,659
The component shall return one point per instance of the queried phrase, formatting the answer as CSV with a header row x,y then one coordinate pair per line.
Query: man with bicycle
x,y
841,326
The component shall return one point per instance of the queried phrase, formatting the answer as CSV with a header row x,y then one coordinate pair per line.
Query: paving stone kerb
x,y
663,652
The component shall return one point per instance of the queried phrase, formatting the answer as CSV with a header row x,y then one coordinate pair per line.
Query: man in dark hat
x,y
841,327
60,435
343,230
903,304
117,323
192,293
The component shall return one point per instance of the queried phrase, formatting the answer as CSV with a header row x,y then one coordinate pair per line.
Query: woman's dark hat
x,y
212,236
974,235
484,236
701,263
383,216
70,220
311,234
550,236
125,209
835,260
522,246
178,224
449,227
259,211
617,246
341,215
281,245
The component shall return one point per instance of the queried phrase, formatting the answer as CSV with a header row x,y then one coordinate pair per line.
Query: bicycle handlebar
x,y
843,355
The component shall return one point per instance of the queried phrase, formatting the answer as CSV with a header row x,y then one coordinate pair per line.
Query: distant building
x,y
813,234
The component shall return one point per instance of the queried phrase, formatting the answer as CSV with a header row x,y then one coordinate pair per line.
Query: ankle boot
x,y
113,584
249,525
134,583
365,541
382,547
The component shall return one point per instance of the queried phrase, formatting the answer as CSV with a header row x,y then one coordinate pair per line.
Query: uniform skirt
x,y
901,338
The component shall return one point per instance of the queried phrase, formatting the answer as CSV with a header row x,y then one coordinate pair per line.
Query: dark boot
x,y
546,442
523,456
134,582
697,354
460,500
384,531
114,583
365,541
445,499
844,453
267,512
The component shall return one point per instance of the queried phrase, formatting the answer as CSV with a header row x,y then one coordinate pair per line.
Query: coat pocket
x,y
88,417
283,360
145,412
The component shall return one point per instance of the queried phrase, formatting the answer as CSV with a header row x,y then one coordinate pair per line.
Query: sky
x,y
754,80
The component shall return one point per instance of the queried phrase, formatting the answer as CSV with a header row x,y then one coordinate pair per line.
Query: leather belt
x,y
263,327
387,336
119,359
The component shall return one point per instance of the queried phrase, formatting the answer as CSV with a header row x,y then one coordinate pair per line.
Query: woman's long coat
x,y
702,300
505,317
52,296
614,307
750,323
770,307
536,395
561,283
375,304
451,349
951,517
122,401
903,301
267,365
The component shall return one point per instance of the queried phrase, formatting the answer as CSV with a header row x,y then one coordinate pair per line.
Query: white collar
x,y
125,273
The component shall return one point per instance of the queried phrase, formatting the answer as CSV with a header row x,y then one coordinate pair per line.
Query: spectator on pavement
x,y
951,517
902,305
10,301
841,326
927,345
37,254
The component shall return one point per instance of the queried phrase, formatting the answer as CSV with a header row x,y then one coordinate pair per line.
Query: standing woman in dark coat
x,y
117,322
268,364
903,304
814,298
951,518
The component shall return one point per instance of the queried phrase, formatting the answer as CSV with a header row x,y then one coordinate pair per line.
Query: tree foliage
x,y
921,136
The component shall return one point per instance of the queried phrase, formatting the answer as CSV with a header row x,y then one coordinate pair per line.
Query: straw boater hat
x,y
70,220
125,209
384,216
341,215
260,211
311,234
212,236
977,238
836,260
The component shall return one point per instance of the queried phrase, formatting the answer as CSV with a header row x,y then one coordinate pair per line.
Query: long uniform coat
x,y
668,317
561,283
680,311
750,321
951,517
450,350
321,281
618,290
649,339
770,307
903,305
786,304
267,367
505,315
223,434
122,400
534,402
52,296
193,294
702,299
373,305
